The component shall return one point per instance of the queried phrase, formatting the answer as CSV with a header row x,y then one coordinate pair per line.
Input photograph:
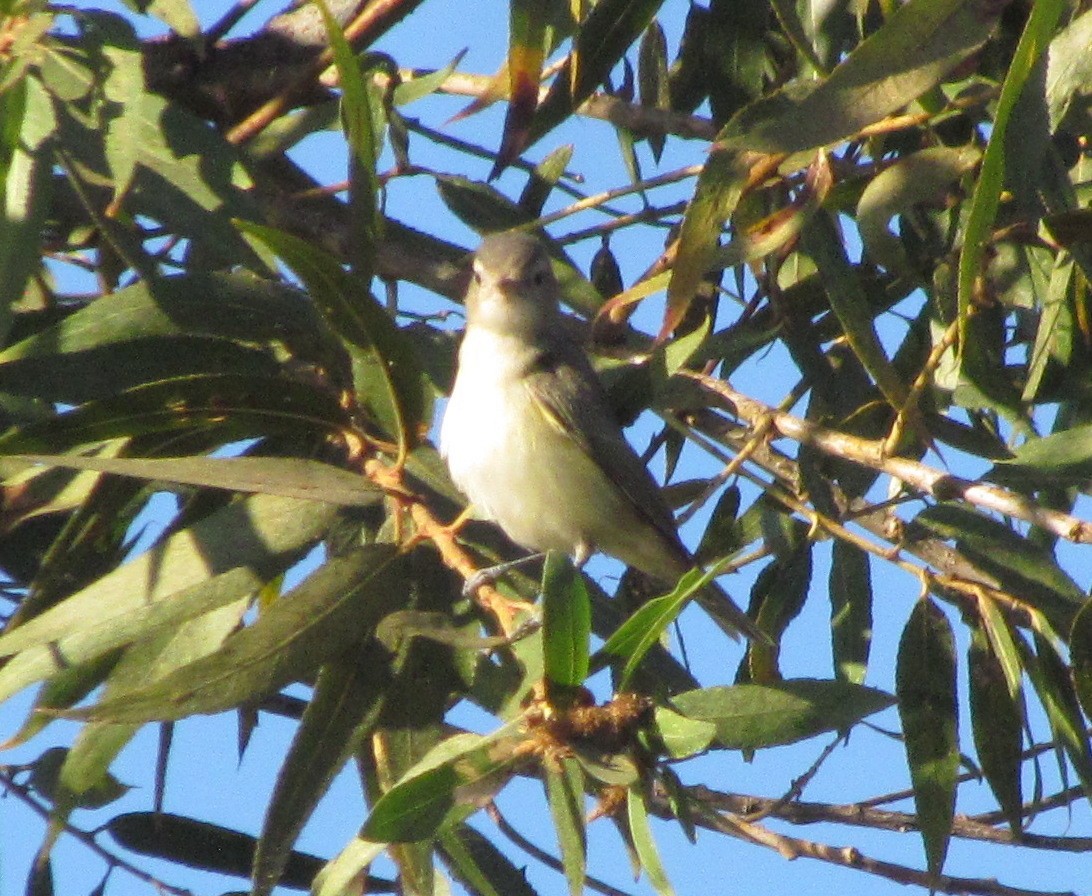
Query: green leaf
x,y
850,610
652,78
288,477
417,88
565,795
342,871
1054,686
222,306
641,832
45,779
566,623
1069,70
198,844
98,744
236,406
414,809
1023,566
633,639
479,866
1080,653
917,46
543,179
1064,457
718,191
389,378
479,205
923,177
752,716
997,722
683,736
456,775
925,682
850,304
527,35
349,696
988,186
26,179
601,40
290,640
358,112
226,556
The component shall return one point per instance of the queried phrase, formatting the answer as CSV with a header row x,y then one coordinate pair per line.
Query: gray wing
x,y
563,383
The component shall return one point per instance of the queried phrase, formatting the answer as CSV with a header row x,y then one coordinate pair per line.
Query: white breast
x,y
501,451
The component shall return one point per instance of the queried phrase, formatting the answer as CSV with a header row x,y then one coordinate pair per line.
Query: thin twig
x,y
87,838
870,453
544,857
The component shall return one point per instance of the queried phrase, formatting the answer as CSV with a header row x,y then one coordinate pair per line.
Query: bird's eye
x,y
539,277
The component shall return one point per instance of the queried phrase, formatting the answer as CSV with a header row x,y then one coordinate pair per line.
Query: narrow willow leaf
x,y
415,808
1064,456
565,794
389,378
289,477
719,189
850,610
480,866
455,775
1055,688
641,832
850,304
604,36
159,590
914,50
343,871
921,177
198,844
293,637
752,716
682,736
417,88
25,185
925,682
566,623
98,743
1069,69
349,696
636,636
1024,566
997,722
359,114
543,179
239,406
987,197
1080,653
527,20
479,205
652,78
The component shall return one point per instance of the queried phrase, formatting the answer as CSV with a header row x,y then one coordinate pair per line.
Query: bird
x,y
530,438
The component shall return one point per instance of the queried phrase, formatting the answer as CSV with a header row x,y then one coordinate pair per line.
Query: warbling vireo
x,y
530,439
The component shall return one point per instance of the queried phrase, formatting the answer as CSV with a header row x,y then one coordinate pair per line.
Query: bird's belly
x,y
514,467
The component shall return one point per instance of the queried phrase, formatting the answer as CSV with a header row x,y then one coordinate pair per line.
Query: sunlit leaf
x,y
565,794
752,716
566,623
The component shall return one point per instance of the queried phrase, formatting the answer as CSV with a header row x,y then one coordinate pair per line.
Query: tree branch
x,y
939,485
